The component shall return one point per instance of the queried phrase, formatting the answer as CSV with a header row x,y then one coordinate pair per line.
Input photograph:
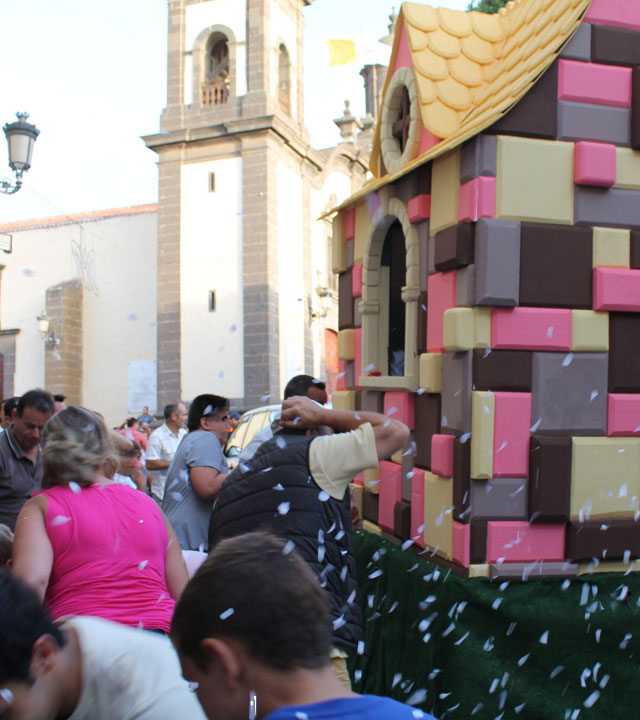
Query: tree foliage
x,y
487,6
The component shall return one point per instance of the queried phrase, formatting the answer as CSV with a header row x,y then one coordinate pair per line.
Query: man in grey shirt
x,y
197,472
20,466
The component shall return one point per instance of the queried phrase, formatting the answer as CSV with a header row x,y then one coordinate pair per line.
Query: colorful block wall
x,y
524,405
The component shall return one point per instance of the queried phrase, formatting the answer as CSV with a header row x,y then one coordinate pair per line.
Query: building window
x,y
284,81
215,87
393,278
212,182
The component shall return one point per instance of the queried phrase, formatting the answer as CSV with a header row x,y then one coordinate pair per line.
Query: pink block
x,y
401,406
593,83
442,455
390,493
594,164
359,479
619,13
417,507
517,541
616,289
442,296
350,224
427,141
356,281
623,414
342,375
357,360
511,434
477,199
419,208
460,543
373,201
530,328
403,56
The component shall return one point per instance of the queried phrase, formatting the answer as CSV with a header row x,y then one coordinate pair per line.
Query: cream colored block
x,y
480,570
589,331
445,183
372,481
535,180
611,247
610,566
431,372
458,329
482,327
338,246
483,407
363,228
397,457
344,400
438,514
347,344
371,528
627,169
605,477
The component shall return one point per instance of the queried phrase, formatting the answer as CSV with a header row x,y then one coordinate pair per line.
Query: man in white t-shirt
x,y
163,443
85,668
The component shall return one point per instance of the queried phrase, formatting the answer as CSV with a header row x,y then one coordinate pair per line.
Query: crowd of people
x,y
134,562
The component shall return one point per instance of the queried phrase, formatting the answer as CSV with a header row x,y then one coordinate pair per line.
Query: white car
x,y
249,424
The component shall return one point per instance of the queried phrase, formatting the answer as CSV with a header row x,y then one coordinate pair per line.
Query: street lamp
x,y
49,338
21,136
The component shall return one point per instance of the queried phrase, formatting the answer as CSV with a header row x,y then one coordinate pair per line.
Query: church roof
x,y
471,68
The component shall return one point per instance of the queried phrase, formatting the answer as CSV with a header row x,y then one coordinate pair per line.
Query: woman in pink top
x,y
90,546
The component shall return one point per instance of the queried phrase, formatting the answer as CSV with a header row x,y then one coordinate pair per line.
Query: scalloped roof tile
x,y
471,67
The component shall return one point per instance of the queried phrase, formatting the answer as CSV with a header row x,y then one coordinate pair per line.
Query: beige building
x,y
245,293
94,277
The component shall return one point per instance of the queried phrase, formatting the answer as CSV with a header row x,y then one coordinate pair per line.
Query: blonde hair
x,y
75,445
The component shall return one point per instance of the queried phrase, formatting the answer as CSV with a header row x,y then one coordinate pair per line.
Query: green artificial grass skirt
x,y
536,650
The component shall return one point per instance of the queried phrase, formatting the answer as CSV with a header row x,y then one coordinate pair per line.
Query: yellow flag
x,y
341,52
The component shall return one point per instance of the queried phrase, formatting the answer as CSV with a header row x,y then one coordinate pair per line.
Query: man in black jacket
x,y
296,486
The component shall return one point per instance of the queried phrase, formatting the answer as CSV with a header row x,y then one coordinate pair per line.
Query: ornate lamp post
x,y
21,137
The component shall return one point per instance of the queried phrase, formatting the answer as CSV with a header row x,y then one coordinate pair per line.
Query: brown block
x,y
536,113
370,503
634,255
477,541
402,520
461,479
427,425
624,354
635,109
349,250
505,370
535,571
549,479
345,300
547,252
371,401
422,322
614,46
602,539
454,246
415,183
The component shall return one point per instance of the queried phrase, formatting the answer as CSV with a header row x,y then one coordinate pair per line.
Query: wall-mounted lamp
x,y
50,339
326,299
21,137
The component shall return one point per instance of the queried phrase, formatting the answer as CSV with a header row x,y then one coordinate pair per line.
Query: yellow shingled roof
x,y
470,68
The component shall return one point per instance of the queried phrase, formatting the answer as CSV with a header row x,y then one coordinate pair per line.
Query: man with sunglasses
x,y
197,471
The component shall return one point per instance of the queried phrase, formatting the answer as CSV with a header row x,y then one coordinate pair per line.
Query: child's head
x,y
6,545
129,460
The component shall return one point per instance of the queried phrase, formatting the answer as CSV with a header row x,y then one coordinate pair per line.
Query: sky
x,y
92,75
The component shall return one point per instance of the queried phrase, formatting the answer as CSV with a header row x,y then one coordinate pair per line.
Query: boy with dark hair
x,y
86,668
252,629
197,471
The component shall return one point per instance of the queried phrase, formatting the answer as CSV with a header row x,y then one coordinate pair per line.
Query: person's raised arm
x,y
32,551
301,412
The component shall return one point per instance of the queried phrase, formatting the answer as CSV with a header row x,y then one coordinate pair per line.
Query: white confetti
x,y
279,487
143,565
375,574
281,443
556,671
192,686
321,553
227,613
550,331
523,660
464,437
396,679
391,411
593,396
339,622
592,699
357,675
303,715
233,328
6,695
284,508
75,487
625,641
323,496
535,425
360,647
60,520
419,696
544,638
288,547
568,359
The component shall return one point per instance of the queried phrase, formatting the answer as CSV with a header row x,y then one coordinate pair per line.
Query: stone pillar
x,y
63,363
